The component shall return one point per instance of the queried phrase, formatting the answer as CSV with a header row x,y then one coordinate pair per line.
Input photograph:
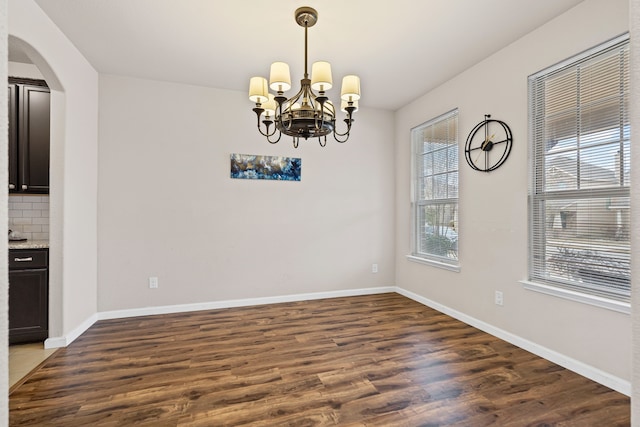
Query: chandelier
x,y
306,114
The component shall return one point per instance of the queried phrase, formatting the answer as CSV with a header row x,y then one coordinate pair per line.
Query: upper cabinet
x,y
29,113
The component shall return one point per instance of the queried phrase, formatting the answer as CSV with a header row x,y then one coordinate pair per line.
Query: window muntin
x,y
435,204
579,202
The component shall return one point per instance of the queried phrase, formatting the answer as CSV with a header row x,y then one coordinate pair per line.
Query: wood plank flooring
x,y
377,360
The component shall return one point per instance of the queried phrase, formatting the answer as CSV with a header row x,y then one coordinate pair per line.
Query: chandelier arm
x,y
267,134
280,100
341,141
336,134
320,141
321,100
267,123
269,137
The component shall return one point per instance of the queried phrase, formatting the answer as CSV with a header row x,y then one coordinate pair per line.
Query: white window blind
x,y
579,196
435,198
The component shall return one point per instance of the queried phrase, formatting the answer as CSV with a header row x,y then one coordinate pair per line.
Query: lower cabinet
x,y
28,295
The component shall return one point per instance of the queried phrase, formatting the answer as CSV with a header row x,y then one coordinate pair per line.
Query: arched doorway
x,y
26,62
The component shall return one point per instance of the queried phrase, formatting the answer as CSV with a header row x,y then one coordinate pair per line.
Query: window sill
x,y
621,307
434,263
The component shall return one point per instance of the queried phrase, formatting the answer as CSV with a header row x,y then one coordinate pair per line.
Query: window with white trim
x,y
579,202
435,190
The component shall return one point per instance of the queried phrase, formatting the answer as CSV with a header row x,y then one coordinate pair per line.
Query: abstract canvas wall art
x,y
250,166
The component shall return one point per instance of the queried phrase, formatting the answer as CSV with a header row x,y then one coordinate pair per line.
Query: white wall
x,y
493,207
73,200
29,71
168,208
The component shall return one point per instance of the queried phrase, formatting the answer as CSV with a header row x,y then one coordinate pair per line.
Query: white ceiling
x,y
400,49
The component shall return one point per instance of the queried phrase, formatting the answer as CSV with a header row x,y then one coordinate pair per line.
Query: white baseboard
x,y
55,342
65,340
595,374
214,305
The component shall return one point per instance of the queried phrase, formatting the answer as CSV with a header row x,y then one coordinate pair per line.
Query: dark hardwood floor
x,y
379,360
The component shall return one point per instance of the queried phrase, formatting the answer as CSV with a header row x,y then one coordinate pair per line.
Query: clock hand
x,y
486,142
478,158
483,145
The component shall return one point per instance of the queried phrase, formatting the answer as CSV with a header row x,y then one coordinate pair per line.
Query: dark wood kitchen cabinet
x,y
28,295
29,134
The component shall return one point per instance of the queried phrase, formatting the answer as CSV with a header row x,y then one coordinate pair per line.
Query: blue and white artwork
x,y
250,166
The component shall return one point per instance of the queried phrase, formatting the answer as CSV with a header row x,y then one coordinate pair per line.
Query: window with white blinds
x,y
579,195
435,198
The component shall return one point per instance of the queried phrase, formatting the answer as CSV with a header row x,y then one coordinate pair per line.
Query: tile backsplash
x,y
29,215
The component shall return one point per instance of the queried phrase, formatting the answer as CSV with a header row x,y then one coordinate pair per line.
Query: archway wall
x,y
74,147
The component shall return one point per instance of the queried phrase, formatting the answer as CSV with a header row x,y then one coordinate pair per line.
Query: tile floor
x,y
24,357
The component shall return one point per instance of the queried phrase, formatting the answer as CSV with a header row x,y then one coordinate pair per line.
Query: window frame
x,y
539,279
418,202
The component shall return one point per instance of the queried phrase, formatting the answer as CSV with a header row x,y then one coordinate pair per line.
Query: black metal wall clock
x,y
488,144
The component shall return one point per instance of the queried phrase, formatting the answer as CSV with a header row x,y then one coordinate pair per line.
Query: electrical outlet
x,y
153,282
499,299
374,268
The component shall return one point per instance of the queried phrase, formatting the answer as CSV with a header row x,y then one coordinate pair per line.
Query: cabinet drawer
x,y
21,259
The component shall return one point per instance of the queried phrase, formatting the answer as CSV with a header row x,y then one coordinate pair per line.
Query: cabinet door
x,y
28,306
33,139
13,138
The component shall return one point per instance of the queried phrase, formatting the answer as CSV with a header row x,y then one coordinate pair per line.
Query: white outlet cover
x,y
153,282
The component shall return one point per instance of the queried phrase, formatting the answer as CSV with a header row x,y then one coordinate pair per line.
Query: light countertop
x,y
29,244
